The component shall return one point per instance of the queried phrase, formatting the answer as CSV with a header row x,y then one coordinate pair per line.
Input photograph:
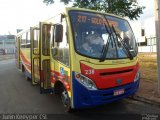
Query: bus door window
x,y
36,42
46,39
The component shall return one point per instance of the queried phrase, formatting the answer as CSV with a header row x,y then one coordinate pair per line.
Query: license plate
x,y
118,92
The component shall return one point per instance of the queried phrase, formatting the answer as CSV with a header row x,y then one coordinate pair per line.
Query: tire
x,y
66,100
27,78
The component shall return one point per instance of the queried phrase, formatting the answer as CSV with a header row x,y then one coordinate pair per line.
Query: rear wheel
x,y
27,78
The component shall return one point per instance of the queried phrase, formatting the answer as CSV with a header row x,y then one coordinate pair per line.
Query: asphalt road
x,y
18,96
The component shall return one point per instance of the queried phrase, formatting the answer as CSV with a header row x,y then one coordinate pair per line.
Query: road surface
x,y
18,96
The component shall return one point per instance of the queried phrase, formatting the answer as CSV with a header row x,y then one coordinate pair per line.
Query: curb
x,y
145,100
2,58
6,59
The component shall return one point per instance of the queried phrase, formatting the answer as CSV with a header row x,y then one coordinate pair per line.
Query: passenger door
x,y
45,71
35,55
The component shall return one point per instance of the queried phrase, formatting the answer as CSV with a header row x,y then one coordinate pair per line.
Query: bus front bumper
x,y
84,98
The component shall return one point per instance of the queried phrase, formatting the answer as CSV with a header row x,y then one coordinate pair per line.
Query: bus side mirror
x,y
58,33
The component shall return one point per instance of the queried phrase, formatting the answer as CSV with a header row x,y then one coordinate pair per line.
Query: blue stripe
x,y
84,98
27,73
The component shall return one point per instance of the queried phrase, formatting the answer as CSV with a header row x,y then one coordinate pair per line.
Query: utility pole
x,y
157,23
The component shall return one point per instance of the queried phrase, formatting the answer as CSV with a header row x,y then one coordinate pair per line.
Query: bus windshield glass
x,y
102,36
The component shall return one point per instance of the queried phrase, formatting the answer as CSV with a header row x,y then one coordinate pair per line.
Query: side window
x,y
28,41
23,41
63,47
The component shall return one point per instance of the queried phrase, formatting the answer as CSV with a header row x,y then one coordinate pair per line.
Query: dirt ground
x,y
149,82
148,90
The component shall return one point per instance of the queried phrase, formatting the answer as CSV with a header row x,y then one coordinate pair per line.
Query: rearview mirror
x,y
132,52
58,33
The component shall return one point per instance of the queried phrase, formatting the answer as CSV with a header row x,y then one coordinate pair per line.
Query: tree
x,y
124,8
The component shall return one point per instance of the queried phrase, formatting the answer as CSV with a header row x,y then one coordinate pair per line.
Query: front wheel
x,y
66,100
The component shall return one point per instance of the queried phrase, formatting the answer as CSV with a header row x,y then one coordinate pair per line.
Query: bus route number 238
x,y
89,72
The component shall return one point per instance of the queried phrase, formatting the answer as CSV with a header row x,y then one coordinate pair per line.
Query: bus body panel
x,y
61,73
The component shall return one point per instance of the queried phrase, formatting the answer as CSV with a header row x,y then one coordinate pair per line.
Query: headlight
x,y
88,83
137,77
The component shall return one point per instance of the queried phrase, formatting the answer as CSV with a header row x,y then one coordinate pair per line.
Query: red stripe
x,y
25,61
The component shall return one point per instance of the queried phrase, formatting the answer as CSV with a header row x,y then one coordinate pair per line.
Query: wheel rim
x,y
65,99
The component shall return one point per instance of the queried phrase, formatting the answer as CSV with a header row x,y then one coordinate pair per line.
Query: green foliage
x,y
48,2
66,1
124,8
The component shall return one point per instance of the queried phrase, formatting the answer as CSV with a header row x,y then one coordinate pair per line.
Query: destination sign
x,y
95,20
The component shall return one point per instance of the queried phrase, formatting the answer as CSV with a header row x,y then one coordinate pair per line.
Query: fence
x,y
7,51
148,46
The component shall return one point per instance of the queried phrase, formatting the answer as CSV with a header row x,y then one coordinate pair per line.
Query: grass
x,y
148,66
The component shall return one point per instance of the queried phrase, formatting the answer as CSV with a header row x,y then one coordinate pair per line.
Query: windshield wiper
x,y
106,46
123,44
105,49
111,36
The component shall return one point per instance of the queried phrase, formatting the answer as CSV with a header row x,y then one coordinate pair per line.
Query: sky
x,y
21,14
149,10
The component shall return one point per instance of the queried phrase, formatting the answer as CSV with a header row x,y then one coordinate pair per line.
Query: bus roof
x,y
94,11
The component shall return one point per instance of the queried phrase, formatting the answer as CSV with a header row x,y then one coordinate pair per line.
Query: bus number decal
x,y
89,72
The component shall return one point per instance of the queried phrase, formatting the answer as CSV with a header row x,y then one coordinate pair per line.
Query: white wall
x,y
149,25
147,48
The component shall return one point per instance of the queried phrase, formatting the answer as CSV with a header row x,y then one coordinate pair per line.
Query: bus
x,y
87,57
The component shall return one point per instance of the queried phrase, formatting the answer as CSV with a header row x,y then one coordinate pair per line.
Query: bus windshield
x,y
102,36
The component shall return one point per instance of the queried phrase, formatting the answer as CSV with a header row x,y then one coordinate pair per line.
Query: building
x,y
7,44
145,34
